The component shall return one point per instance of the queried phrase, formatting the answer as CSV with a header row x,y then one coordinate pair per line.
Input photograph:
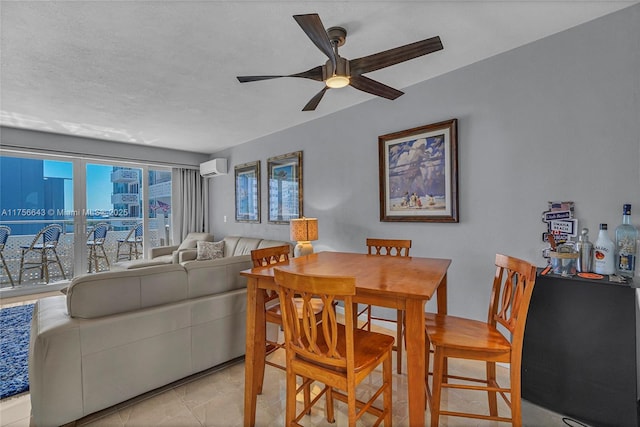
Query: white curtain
x,y
190,203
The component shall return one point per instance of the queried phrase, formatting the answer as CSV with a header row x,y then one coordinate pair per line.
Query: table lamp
x,y
303,230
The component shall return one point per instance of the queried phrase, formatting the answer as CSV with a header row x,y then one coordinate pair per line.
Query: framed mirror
x,y
285,187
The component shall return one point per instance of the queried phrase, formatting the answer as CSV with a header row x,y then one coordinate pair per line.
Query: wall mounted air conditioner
x,y
213,167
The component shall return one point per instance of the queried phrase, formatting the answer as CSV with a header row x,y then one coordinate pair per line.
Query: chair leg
x,y
290,414
44,266
516,395
90,258
307,396
95,258
388,392
399,345
491,395
60,264
6,267
351,403
106,258
329,409
427,360
438,363
21,267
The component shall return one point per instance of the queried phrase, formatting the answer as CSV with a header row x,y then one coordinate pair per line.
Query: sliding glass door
x,y
37,213
106,213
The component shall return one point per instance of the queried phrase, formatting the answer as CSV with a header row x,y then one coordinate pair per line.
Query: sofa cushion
x,y
191,241
113,292
230,243
246,245
140,263
216,276
210,250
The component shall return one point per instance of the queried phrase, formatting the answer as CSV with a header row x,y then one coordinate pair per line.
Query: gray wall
x,y
558,119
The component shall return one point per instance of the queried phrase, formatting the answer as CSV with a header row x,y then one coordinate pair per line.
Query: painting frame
x,y
418,171
284,187
247,192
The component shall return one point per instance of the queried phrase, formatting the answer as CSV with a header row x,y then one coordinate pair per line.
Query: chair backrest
x,y
4,235
99,232
392,247
511,295
134,234
304,335
272,255
49,234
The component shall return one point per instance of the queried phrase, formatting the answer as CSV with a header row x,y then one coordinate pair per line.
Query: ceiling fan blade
x,y
313,103
245,79
313,74
366,84
314,29
394,56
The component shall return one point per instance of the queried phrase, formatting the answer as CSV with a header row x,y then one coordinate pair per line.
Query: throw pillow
x,y
210,250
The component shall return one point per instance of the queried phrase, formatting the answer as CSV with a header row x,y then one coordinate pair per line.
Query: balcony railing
x,y
124,175
65,250
125,199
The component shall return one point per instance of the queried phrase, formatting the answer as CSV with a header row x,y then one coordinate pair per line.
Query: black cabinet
x,y
581,354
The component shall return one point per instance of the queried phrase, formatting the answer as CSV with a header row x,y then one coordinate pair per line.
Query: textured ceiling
x,y
163,72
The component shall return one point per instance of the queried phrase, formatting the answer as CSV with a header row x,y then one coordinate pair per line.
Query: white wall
x,y
558,119
52,143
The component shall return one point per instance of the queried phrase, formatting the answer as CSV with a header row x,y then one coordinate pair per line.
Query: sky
x,y
99,186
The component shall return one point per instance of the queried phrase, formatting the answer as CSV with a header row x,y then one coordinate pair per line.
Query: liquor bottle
x,y
626,244
603,254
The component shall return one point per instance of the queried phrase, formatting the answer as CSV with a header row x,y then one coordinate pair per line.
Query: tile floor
x,y
215,398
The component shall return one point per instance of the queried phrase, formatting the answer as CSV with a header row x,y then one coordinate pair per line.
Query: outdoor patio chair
x,y
4,235
44,246
133,242
95,243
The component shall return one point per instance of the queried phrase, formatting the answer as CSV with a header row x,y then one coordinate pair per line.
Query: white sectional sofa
x,y
118,334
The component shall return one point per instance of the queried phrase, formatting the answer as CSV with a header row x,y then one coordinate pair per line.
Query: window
x,y
36,191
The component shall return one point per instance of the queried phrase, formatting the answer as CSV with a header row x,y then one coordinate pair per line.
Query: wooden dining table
x,y
405,283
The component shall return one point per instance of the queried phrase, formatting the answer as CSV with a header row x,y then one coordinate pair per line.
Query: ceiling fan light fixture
x,y
336,82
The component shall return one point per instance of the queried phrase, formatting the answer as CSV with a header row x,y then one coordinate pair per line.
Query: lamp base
x,y
302,249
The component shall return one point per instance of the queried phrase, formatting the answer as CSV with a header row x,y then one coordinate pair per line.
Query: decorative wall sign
x,y
247,184
285,187
419,174
560,223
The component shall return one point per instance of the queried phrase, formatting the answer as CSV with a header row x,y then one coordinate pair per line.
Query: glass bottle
x,y
585,252
603,254
626,244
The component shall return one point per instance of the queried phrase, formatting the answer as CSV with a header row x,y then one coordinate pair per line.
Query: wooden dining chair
x,y
460,338
263,257
388,247
339,356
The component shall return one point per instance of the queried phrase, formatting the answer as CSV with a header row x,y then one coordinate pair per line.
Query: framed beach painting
x,y
285,187
247,179
419,174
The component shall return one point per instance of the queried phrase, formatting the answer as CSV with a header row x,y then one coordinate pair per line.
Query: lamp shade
x,y
304,229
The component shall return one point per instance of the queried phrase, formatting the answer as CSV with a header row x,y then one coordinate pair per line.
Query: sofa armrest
x,y
55,364
162,250
187,255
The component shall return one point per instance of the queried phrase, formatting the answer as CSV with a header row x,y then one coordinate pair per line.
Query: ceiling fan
x,y
338,72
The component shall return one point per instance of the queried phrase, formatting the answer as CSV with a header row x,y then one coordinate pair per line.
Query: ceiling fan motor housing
x,y
342,68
